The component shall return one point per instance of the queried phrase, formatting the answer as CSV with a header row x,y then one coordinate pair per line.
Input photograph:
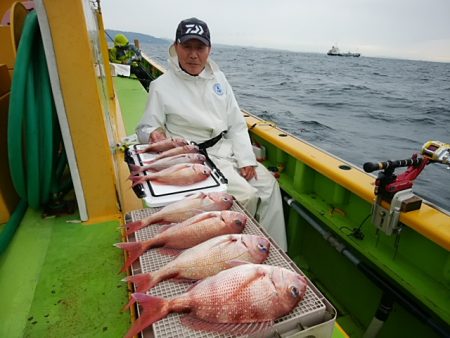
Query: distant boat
x,y
334,51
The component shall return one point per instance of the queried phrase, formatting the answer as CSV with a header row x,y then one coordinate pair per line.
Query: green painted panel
x,y
409,260
60,279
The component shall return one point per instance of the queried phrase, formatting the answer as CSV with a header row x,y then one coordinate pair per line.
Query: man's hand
x,y
248,172
157,135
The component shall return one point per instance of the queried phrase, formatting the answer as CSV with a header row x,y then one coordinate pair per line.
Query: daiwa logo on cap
x,y
193,28
218,89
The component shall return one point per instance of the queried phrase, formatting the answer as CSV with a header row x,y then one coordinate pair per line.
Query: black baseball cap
x,y
193,28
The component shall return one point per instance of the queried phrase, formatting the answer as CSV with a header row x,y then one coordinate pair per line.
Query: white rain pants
x,y
261,197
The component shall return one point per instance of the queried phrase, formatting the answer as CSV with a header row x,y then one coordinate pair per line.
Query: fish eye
x,y
262,247
294,292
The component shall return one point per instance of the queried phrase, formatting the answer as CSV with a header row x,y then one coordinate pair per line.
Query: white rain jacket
x,y
197,108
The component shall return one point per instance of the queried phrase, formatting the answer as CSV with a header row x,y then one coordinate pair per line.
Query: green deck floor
x,y
59,279
132,100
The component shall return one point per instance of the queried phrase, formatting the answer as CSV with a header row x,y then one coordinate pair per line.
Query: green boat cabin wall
x,y
341,281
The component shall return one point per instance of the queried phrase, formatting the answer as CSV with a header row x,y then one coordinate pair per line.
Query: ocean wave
x,y
421,120
379,74
360,109
438,111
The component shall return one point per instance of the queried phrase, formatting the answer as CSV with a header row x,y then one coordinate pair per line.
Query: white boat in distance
x,y
334,51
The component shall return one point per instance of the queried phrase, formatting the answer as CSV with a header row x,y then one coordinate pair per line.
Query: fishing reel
x,y
397,189
437,151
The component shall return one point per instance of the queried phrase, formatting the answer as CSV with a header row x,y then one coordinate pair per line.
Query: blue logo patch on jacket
x,y
218,89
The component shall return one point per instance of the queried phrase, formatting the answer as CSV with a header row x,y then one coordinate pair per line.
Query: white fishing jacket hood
x,y
197,108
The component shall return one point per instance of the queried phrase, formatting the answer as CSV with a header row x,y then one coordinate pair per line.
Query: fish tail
x,y
134,250
136,180
129,304
142,151
143,281
153,309
132,227
135,169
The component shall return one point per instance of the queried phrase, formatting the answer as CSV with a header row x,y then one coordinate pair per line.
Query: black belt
x,y
212,141
209,143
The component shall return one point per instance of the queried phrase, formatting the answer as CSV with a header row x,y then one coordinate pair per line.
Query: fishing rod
x,y
397,189
109,36
387,184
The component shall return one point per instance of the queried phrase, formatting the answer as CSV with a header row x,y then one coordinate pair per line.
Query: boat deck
x,y
59,277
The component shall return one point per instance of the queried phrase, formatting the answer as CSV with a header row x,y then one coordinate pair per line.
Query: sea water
x,y
360,109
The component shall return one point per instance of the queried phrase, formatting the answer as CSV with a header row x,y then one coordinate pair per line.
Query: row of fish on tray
x,y
235,293
177,162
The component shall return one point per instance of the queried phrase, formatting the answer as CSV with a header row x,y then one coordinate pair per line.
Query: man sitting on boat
x,y
124,53
194,100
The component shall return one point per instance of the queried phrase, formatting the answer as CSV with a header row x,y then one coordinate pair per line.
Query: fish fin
x,y
166,226
237,329
235,262
134,250
193,284
143,281
195,195
170,251
183,280
153,309
201,215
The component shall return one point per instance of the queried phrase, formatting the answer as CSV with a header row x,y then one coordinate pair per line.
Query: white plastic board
x,y
157,194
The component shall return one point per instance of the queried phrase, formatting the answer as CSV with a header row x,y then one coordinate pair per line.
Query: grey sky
x,y
410,29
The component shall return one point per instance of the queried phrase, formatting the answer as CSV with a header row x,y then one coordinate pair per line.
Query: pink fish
x,y
207,259
167,162
189,233
182,210
164,145
188,149
245,299
178,174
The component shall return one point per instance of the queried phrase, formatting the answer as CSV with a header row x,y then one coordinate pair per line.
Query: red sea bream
x,y
207,259
182,210
167,162
189,233
242,300
179,174
164,145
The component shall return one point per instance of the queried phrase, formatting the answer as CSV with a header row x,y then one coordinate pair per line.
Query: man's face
x,y
192,55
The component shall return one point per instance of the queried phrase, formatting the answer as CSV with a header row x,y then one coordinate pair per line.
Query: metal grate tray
x,y
314,309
